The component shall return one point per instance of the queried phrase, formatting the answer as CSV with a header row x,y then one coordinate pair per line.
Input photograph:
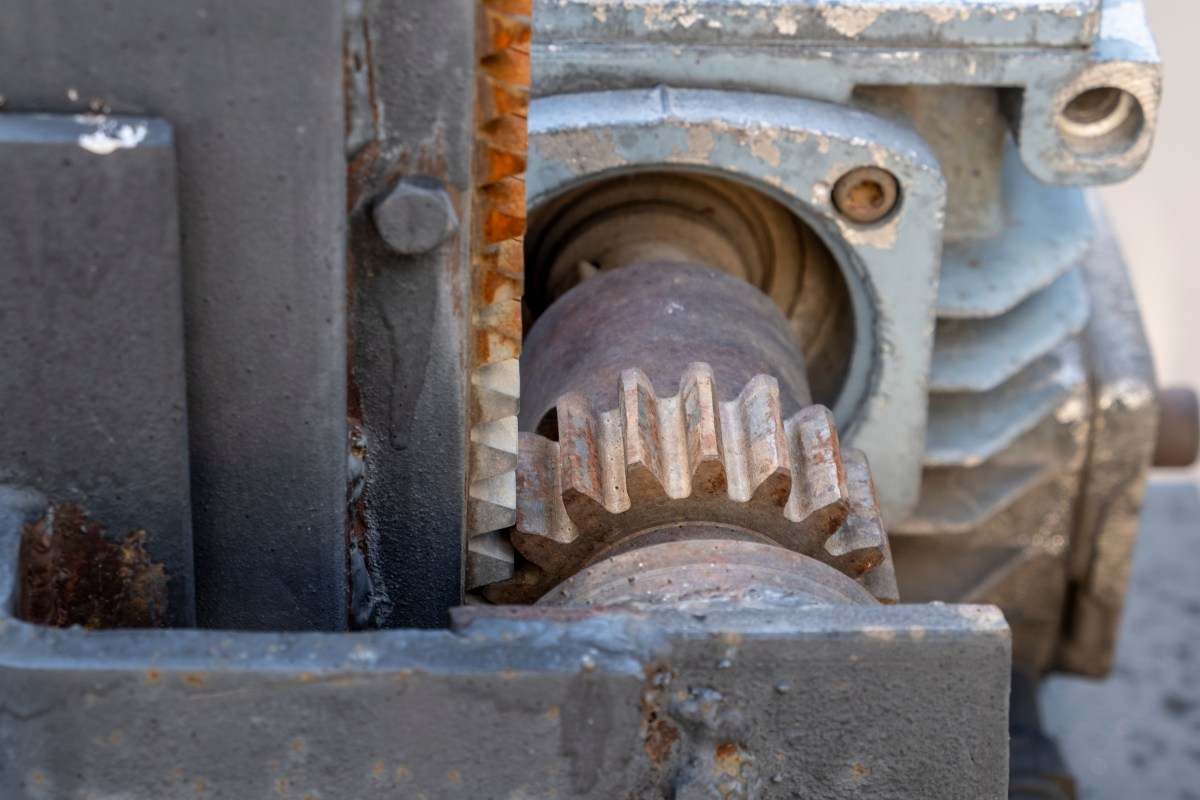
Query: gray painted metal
x,y
873,701
793,150
979,355
415,217
577,52
409,316
1047,231
261,188
92,387
1125,409
862,23
968,428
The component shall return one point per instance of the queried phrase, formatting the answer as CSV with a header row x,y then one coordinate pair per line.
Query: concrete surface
x,y
1137,734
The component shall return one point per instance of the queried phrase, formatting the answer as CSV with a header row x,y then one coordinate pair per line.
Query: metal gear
x,y
666,404
654,468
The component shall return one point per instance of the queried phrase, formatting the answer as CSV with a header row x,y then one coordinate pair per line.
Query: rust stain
x,y
194,680
72,574
659,734
154,676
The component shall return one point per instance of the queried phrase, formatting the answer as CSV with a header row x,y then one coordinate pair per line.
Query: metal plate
x,y
881,702
91,330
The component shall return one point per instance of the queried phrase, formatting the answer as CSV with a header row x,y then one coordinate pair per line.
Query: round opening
x,y
665,216
866,195
1103,121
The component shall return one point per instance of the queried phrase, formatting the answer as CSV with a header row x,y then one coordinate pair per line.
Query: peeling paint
x,y
850,22
111,136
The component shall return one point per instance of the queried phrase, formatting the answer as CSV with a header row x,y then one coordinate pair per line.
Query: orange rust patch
x,y
193,680
379,768
552,713
859,770
454,776
658,733
72,574
154,676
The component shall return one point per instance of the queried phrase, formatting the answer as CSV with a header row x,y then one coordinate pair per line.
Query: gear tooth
x,y
539,490
580,466
764,437
497,390
497,204
702,426
860,544
492,503
645,468
542,525
490,559
735,462
821,499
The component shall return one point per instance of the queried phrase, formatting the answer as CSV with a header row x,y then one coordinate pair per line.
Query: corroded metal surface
x,y
625,458
609,703
658,318
497,278
93,379
73,574
894,23
700,567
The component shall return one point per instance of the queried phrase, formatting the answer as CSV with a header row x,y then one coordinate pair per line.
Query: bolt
x,y
866,194
416,216
1178,428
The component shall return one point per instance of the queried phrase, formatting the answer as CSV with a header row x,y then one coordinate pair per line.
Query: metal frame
x,y
823,50
513,703
794,150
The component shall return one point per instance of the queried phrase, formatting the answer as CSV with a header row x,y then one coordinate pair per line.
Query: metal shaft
x,y
659,318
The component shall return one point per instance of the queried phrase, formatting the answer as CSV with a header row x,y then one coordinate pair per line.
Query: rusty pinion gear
x,y
657,463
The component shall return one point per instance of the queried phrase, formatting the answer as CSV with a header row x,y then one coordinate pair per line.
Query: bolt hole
x,y
1103,121
866,195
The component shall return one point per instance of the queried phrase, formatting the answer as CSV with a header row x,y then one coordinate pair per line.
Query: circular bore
x,y
665,216
1101,121
708,570
866,195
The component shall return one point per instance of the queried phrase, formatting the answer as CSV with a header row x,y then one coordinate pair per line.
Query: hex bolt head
x,y
416,216
866,195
